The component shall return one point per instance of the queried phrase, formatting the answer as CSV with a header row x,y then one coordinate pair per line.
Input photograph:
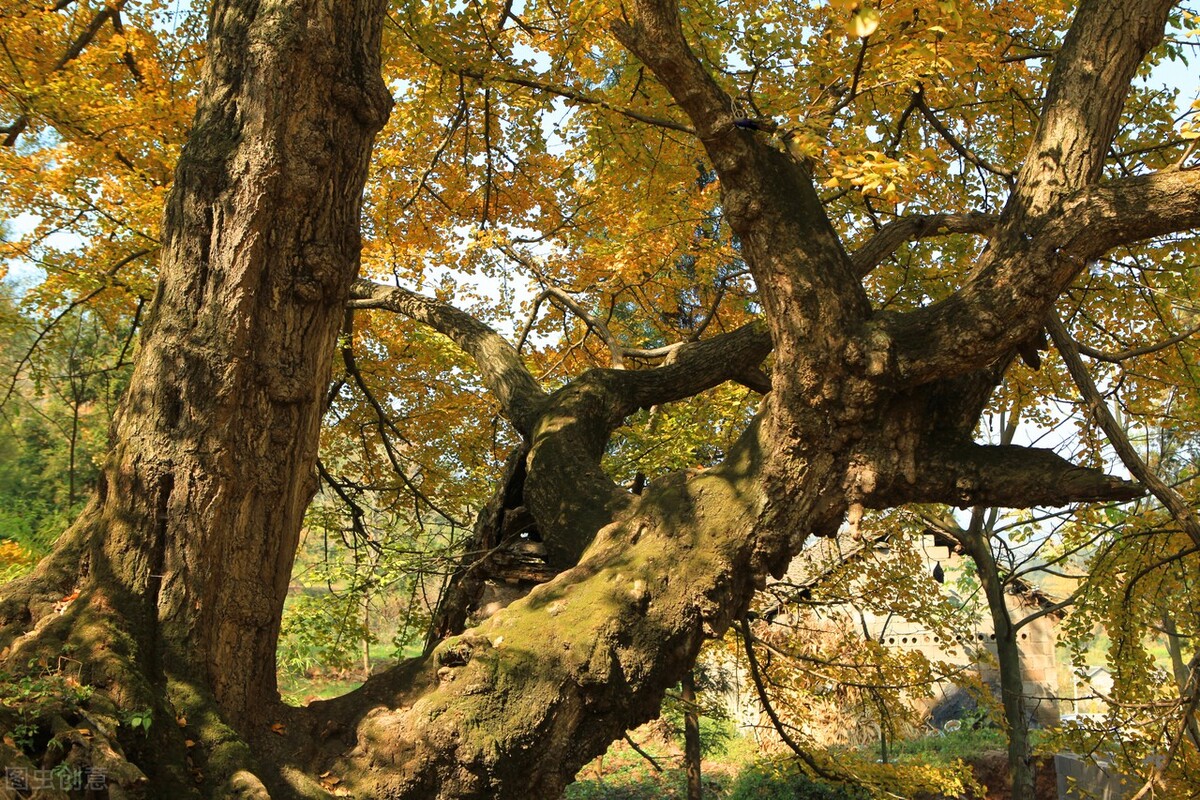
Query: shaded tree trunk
x,y
216,441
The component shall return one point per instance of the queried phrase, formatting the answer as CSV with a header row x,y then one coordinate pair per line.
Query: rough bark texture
x,y
183,558
186,552
217,437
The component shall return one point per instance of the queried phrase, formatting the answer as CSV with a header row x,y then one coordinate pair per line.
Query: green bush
x,y
322,631
781,781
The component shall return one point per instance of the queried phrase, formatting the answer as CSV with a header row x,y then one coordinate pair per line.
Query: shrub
x,y
781,781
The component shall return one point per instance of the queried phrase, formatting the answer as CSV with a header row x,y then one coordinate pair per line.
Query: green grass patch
x,y
645,784
946,748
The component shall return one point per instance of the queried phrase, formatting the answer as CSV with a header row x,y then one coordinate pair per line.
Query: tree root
x,y
85,709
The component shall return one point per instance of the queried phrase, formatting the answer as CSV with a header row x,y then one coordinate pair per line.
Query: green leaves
x,y
139,721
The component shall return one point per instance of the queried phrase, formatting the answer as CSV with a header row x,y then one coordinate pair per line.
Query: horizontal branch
x,y
503,371
589,100
893,235
573,95
695,367
1007,476
1135,352
1130,210
1006,300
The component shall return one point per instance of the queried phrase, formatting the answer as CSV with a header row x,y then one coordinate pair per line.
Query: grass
x,y
299,689
946,748
622,774
734,769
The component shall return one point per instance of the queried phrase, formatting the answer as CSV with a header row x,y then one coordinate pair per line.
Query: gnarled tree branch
x,y
698,366
1032,257
501,367
1129,210
892,236
967,475
566,490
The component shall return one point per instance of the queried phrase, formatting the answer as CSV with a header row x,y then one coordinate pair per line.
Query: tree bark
x,y
216,439
1008,655
182,559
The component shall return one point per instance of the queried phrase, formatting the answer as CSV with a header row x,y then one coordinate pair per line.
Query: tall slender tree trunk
x,y
1008,657
691,736
73,440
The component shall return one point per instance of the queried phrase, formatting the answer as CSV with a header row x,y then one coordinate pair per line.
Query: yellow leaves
x,y
863,19
12,553
1190,129
15,560
874,172
863,22
89,172
332,784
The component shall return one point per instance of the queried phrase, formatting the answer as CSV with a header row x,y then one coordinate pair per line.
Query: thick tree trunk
x,y
186,553
217,438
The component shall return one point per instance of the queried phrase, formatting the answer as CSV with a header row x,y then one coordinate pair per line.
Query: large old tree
x,y
167,592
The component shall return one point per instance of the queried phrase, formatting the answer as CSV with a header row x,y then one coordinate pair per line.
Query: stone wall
x,y
974,646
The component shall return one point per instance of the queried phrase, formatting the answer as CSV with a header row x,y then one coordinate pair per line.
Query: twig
x,y
653,762
15,128
1175,505
1124,355
74,304
955,144
1190,709
760,689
